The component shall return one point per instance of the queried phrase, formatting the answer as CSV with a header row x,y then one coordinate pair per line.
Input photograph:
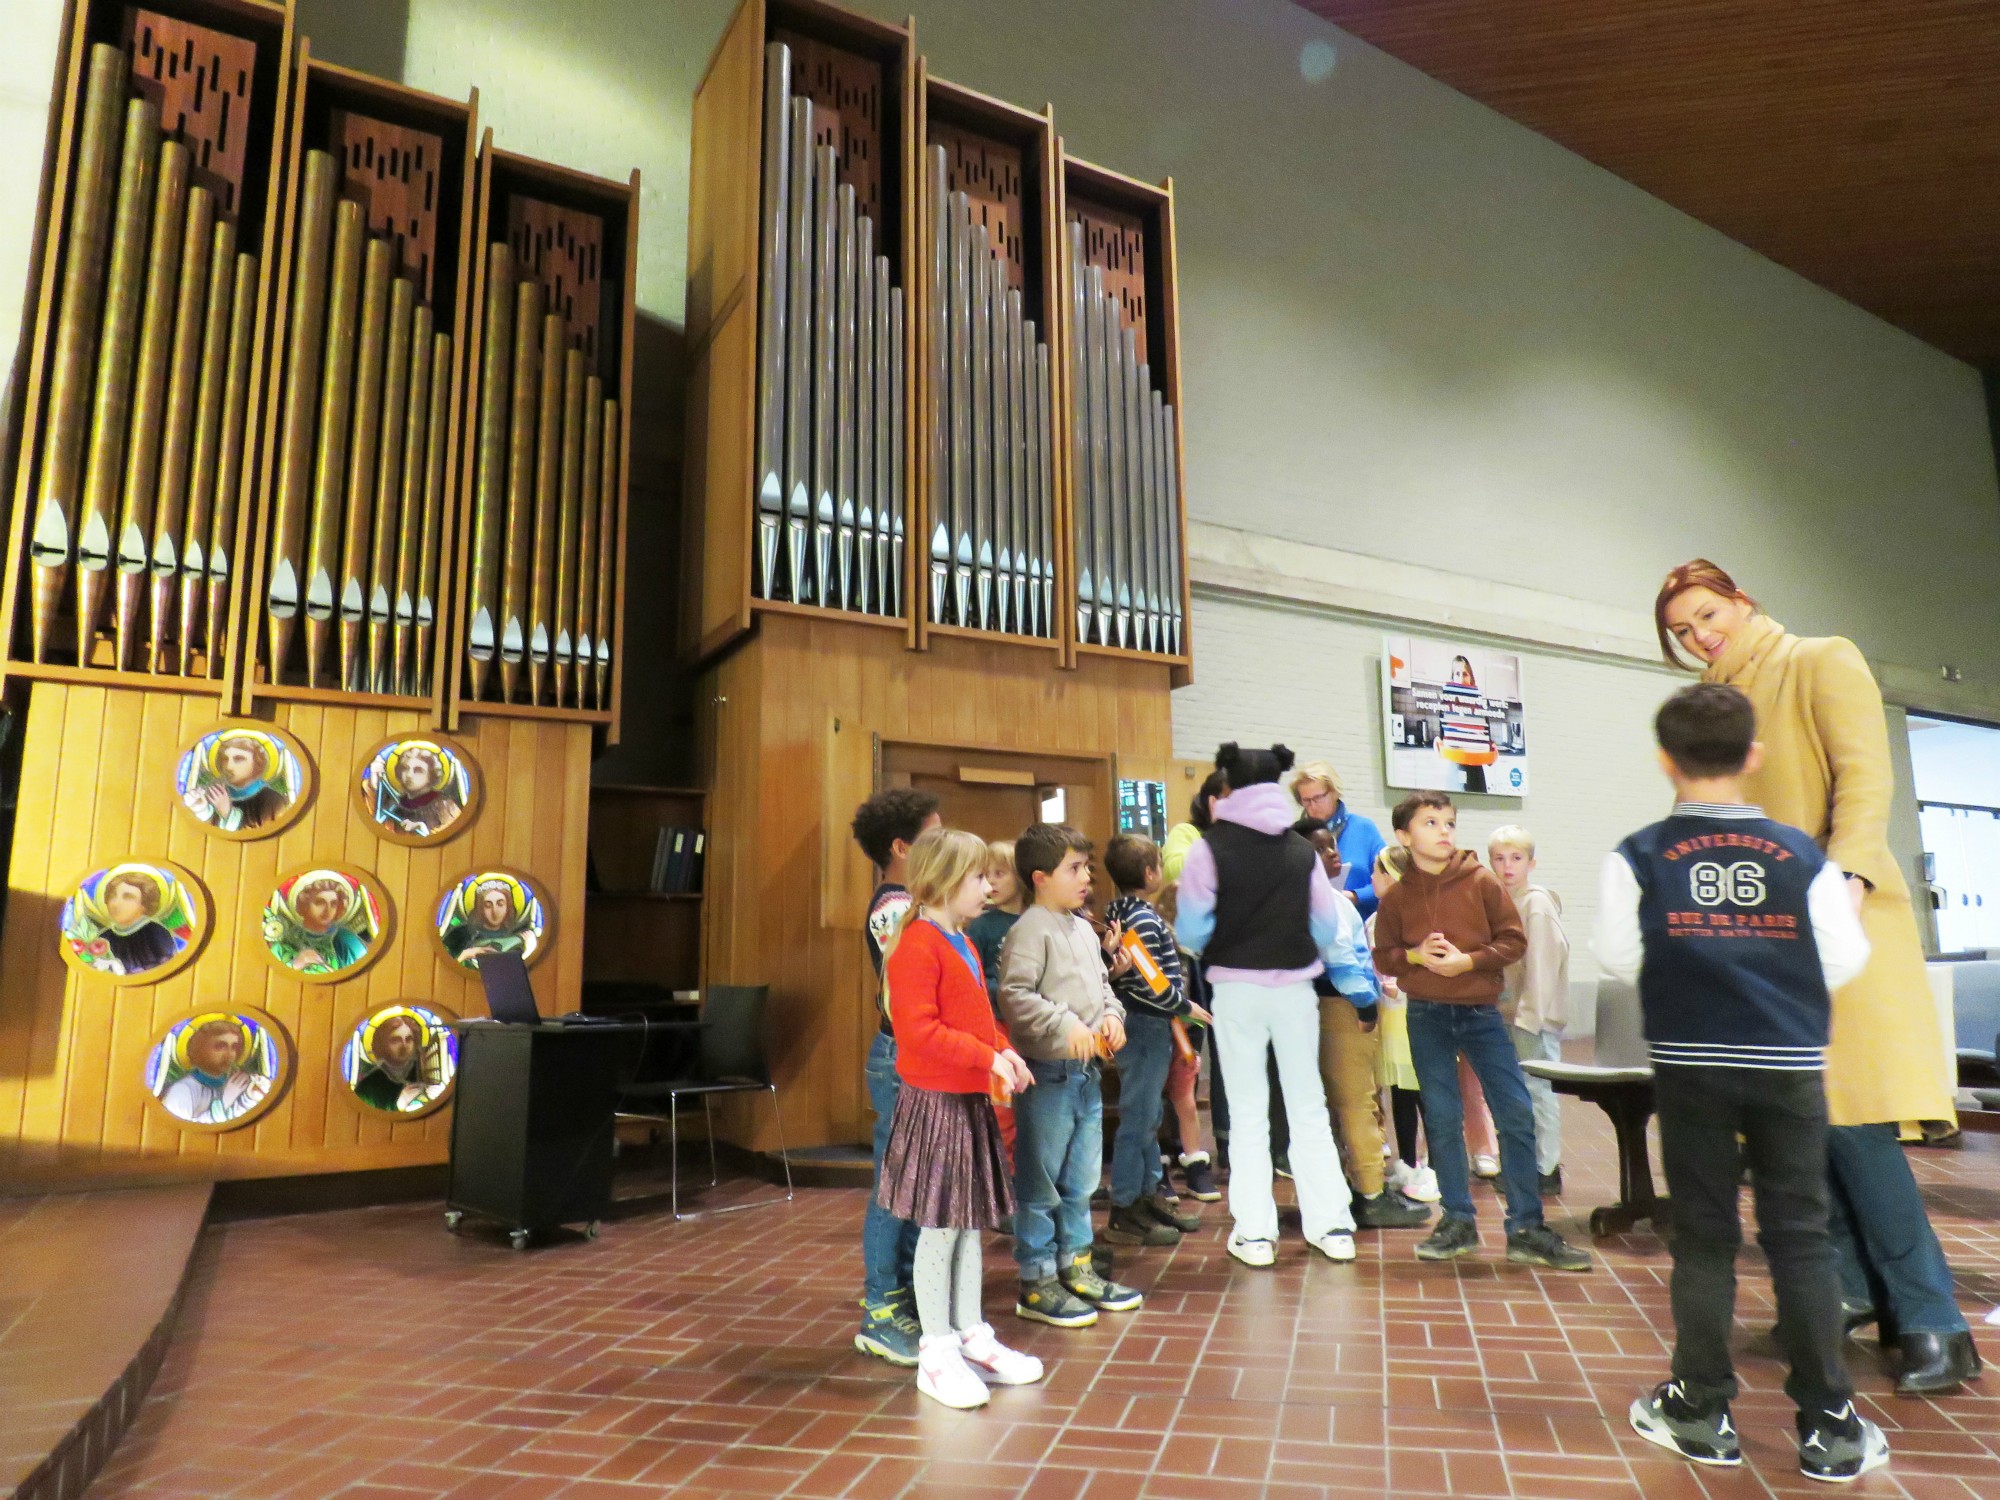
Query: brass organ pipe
x,y
388,520
519,537
410,506
184,389
207,439
336,415
229,459
563,610
607,548
586,546
111,401
304,375
491,478
431,534
548,484
78,321
151,377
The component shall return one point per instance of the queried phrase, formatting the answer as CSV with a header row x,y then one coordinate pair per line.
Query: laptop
x,y
510,998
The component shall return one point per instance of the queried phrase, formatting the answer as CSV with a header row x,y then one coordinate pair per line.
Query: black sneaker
x,y
1839,1446
1451,1239
1081,1279
1199,1175
1552,1183
1281,1164
1668,1418
1542,1246
1049,1301
1131,1224
1166,1209
1389,1210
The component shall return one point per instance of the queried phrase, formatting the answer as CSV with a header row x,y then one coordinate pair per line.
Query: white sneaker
x,y
1485,1166
993,1362
1418,1183
1339,1245
943,1374
1259,1253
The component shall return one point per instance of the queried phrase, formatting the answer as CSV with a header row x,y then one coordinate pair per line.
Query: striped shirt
x,y
1136,915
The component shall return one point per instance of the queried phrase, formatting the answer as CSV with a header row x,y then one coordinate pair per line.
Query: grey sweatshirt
x,y
1051,969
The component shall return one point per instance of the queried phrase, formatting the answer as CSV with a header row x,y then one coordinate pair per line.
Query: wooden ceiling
x,y
1856,142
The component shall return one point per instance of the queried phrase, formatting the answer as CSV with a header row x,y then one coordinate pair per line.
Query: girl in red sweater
x,y
945,1169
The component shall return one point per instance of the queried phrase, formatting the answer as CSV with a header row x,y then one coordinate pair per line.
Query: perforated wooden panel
x,y
847,93
201,81
989,173
392,172
1116,241
563,249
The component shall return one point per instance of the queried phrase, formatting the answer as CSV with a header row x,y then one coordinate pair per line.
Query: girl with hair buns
x,y
1256,904
1826,770
945,1169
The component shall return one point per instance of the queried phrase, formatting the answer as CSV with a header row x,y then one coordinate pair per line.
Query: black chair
x,y
731,1061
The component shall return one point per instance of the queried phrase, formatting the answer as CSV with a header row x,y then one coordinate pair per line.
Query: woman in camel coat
x,y
1826,770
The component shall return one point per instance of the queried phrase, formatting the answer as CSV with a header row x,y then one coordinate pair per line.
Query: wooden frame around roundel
x,y
474,801
360,1018
204,920
308,781
288,1068
541,892
383,906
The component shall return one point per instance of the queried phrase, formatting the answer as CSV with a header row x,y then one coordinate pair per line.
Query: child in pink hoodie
x,y
1255,902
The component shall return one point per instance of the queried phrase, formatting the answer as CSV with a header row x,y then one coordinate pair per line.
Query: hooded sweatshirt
x,y
1267,808
1537,992
1467,903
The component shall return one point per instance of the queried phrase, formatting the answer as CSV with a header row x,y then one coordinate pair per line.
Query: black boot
x,y
1936,1363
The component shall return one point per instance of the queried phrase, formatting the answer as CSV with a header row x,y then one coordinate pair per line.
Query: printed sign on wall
x,y
1452,718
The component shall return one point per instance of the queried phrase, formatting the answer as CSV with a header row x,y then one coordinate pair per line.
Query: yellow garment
x,y
1394,1067
1827,771
1347,1063
1174,852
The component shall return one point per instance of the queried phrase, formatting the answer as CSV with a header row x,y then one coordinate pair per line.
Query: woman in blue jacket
x,y
1317,790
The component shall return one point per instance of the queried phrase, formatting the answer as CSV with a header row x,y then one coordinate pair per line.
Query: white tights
x,y
948,1270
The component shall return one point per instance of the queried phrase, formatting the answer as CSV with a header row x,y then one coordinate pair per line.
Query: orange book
x,y
1143,963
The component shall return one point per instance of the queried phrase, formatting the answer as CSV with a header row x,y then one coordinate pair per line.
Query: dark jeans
x,y
1058,1162
1142,1080
1889,1254
1781,1118
888,1244
1406,1109
1438,1034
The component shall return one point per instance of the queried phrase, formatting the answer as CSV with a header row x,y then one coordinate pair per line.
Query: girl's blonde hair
x,y
1315,770
939,862
1393,861
1001,853
1513,836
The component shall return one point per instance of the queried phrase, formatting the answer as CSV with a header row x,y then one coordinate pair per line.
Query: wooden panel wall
x,y
97,786
777,823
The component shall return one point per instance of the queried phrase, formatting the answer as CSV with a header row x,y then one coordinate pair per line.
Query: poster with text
x,y
1452,718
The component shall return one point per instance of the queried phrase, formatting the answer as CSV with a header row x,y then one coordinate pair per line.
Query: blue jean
x,y
1142,1080
1889,1254
1438,1034
888,1244
1058,1160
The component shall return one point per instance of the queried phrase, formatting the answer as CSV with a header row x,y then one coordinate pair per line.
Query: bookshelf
x,y
633,933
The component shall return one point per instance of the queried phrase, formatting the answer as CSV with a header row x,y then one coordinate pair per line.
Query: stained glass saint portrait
x,y
243,780
216,1069
418,791
491,911
325,923
133,921
401,1060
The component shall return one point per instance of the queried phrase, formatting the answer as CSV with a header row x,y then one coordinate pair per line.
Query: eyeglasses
x,y
1317,798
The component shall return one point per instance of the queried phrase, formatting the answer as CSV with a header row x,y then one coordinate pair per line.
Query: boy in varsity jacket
x,y
1737,930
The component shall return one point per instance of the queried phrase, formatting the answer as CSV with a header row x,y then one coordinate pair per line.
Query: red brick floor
x,y
371,1355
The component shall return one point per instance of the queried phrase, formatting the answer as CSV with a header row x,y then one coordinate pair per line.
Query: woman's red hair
x,y
1697,573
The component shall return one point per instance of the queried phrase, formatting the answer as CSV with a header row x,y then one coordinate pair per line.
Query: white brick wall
x,y
1265,672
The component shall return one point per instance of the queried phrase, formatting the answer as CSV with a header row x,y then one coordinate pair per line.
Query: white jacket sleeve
x,y
1619,947
1837,933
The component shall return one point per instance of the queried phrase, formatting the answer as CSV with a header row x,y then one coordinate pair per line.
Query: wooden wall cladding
x,y
1115,240
97,783
850,94
774,703
356,500
140,427
991,173
546,450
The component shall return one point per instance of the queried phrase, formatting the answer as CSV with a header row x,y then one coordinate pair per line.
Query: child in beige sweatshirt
x,y
1536,999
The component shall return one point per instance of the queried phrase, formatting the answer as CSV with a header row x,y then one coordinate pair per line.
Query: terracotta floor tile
x,y
656,1362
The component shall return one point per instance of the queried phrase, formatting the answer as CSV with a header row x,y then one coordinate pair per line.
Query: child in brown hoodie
x,y
1446,933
